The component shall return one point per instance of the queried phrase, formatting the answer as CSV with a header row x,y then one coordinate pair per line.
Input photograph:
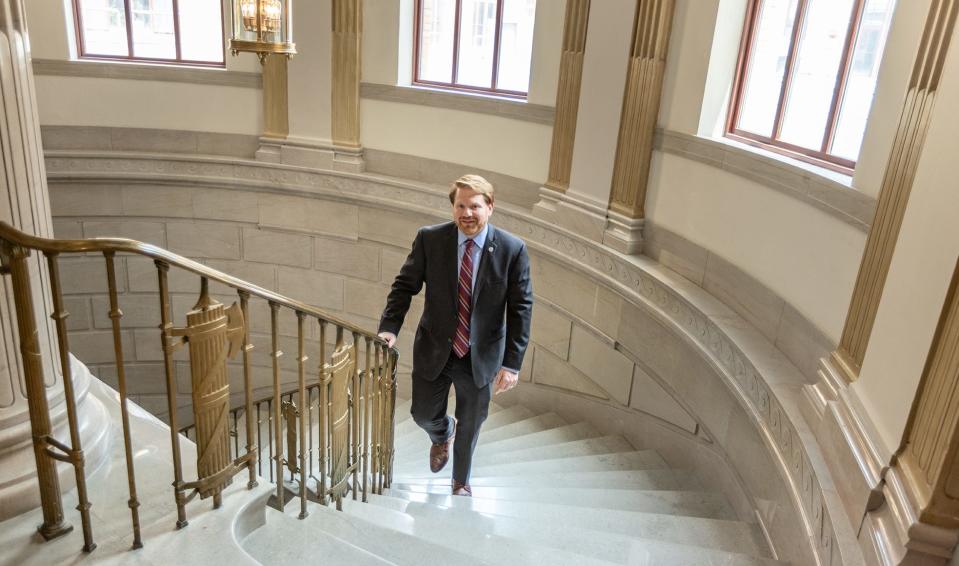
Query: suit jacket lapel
x,y
486,256
452,271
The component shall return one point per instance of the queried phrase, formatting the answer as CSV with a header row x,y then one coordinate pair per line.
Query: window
x,y
474,45
807,75
188,32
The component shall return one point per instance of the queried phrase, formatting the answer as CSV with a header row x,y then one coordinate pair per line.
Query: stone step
x,y
406,425
419,438
667,502
480,543
586,447
611,547
486,446
394,545
719,534
523,472
653,479
287,540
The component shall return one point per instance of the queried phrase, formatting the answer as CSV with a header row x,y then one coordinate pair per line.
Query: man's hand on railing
x,y
389,337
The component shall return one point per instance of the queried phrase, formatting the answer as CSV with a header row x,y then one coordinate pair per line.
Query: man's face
x,y
471,212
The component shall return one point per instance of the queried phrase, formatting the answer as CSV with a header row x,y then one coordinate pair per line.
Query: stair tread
x,y
670,502
418,437
512,439
612,547
551,467
488,545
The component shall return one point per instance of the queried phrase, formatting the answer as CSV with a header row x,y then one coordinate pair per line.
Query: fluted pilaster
x,y
567,94
347,35
896,186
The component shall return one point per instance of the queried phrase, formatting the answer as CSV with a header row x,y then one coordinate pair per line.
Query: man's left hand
x,y
505,380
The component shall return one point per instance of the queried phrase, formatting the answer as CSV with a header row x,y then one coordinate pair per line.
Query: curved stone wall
x,y
620,340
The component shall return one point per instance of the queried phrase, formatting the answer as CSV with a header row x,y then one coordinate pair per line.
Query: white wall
x,y
79,101
921,269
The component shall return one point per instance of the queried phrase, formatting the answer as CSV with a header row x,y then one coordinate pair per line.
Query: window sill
x,y
827,190
97,69
493,105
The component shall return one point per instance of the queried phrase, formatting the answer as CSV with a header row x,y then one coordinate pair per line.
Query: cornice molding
x,y
143,72
758,375
801,182
464,102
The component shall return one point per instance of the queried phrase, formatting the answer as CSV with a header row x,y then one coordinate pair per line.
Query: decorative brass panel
x,y
341,371
896,185
930,453
213,333
567,94
644,88
347,35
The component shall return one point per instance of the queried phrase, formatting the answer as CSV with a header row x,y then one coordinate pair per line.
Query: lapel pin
x,y
490,249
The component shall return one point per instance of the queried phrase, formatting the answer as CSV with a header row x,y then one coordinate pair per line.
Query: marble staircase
x,y
545,491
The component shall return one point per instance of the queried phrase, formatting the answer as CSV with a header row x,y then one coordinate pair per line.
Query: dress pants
x,y
472,405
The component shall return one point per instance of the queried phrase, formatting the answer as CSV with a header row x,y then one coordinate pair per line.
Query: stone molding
x,y
464,102
143,72
819,189
764,383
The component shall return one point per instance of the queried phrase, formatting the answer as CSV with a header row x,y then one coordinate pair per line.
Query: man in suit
x,y
475,324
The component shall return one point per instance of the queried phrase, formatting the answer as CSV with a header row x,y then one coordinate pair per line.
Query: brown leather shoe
x,y
462,489
440,453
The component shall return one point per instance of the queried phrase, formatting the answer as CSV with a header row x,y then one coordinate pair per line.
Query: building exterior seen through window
x,y
474,45
806,77
188,32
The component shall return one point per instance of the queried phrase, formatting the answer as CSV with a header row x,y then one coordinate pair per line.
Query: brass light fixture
x,y
263,27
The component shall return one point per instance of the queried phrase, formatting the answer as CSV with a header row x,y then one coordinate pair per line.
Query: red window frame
x,y
418,39
128,18
820,156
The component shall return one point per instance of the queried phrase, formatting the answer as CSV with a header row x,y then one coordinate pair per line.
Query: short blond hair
x,y
475,183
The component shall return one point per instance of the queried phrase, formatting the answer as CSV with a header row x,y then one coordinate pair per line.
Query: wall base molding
x,y
584,216
873,491
624,234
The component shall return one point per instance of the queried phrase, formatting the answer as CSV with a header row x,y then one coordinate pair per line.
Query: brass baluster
x,y
166,326
324,413
279,500
269,437
15,262
367,406
60,315
357,402
115,315
259,439
391,419
248,392
375,422
301,359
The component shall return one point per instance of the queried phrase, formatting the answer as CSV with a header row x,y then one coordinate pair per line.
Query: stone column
x,y
25,206
896,186
347,36
644,88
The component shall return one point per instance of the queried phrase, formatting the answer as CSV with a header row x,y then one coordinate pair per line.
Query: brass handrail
x,y
354,406
124,245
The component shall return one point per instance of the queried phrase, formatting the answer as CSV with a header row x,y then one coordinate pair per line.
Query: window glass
x,y
477,38
817,66
476,45
516,45
767,63
437,24
104,27
185,31
861,84
807,77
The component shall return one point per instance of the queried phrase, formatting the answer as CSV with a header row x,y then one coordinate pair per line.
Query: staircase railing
x,y
351,405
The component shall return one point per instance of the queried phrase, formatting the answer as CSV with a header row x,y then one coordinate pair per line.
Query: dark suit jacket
x,y
502,302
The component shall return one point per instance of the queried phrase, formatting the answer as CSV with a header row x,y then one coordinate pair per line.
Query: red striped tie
x,y
461,343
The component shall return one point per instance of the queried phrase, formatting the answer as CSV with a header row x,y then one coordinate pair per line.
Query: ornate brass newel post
x,y
14,259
